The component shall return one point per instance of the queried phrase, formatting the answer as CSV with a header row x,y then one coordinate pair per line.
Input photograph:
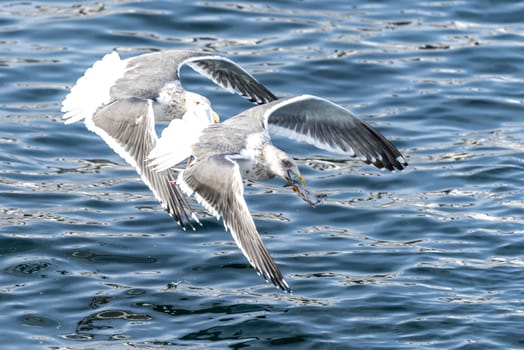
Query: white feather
x,y
174,145
92,90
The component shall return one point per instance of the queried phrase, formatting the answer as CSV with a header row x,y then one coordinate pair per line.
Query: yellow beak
x,y
301,178
216,117
293,176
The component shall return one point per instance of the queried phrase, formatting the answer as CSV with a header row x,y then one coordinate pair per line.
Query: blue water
x,y
427,258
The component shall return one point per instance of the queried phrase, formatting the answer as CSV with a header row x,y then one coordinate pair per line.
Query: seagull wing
x,y
144,76
93,89
231,76
127,126
165,154
217,184
329,126
154,70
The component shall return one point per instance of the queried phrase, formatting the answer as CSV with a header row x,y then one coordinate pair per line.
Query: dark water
x,y
431,257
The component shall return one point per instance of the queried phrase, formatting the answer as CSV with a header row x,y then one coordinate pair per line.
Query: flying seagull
x,y
120,100
241,147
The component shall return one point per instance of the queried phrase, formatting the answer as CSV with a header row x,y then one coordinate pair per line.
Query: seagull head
x,y
198,109
282,165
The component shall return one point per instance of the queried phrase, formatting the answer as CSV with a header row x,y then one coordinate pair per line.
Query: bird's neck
x,y
272,161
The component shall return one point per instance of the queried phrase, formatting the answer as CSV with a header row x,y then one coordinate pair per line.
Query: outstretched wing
x,y
145,76
217,185
231,76
331,127
155,70
93,89
127,126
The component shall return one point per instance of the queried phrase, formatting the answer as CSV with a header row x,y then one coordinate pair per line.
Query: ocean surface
x,y
427,258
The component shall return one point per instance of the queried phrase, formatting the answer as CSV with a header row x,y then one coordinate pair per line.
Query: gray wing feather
x,y
127,126
329,126
216,138
232,77
218,186
147,74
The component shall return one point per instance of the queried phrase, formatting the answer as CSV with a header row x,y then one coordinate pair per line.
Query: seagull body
x,y
120,100
241,147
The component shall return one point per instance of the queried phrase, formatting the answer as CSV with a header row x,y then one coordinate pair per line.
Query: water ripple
x,y
430,257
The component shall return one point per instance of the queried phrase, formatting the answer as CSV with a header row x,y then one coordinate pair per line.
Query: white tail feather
x,y
92,90
175,144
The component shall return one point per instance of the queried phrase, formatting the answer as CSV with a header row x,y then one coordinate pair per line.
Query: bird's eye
x,y
286,163
197,102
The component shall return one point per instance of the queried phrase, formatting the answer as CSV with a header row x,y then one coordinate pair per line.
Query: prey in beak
x,y
298,185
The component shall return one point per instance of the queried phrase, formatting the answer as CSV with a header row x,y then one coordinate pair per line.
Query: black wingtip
x,y
269,97
392,165
399,163
385,154
287,289
280,283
